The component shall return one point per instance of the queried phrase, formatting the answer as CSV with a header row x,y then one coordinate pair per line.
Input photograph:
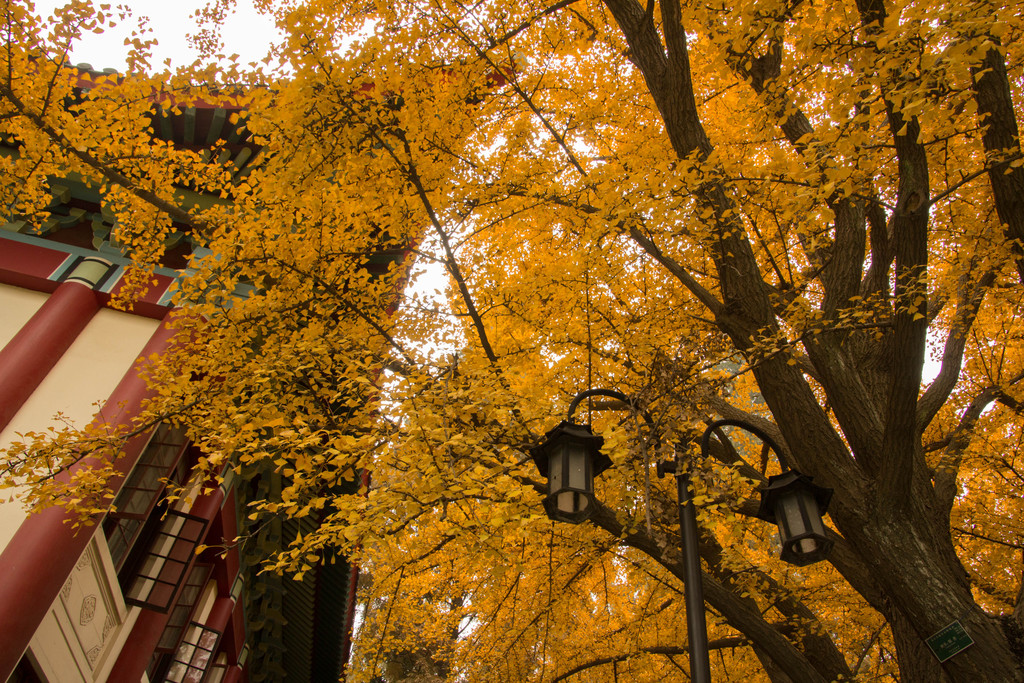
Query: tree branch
x,y
509,35
173,210
739,614
668,650
1001,140
945,475
970,298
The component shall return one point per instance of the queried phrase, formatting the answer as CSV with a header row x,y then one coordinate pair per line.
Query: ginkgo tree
x,y
805,217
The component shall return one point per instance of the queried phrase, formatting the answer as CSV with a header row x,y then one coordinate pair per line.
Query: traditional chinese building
x,y
129,599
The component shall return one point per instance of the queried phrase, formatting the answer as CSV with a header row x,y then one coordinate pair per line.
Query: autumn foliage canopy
x,y
807,216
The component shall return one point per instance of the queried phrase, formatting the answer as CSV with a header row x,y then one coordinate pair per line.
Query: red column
x,y
226,528
39,558
235,633
219,615
40,343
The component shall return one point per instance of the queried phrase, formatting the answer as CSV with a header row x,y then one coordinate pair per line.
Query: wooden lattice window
x,y
184,608
159,462
195,656
160,571
218,670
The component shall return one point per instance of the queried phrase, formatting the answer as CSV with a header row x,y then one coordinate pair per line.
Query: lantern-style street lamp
x,y
796,505
570,457
789,500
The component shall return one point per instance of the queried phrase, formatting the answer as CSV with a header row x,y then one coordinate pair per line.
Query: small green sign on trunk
x,y
950,641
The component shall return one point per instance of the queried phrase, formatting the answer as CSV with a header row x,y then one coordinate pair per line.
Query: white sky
x,y
246,33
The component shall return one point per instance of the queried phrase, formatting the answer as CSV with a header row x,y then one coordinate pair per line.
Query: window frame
x,y
194,673
197,580
133,488
169,555
123,529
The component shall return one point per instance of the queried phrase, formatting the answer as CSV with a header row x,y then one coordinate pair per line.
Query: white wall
x,y
80,637
86,373
17,305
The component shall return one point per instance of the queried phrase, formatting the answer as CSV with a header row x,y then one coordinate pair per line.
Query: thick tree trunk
x,y
775,673
884,504
1002,144
917,663
928,590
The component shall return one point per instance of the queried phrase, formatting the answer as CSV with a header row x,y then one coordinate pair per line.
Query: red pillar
x,y
40,343
39,558
220,614
226,526
235,633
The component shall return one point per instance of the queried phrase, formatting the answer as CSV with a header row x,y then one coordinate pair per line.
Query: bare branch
x,y
668,650
952,355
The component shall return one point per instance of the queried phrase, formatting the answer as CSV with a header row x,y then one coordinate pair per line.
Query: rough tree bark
x,y
885,504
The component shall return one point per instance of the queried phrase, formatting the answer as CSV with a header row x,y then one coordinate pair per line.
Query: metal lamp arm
x,y
705,441
609,393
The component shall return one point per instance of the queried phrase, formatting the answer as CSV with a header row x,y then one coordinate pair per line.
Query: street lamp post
x,y
570,457
693,588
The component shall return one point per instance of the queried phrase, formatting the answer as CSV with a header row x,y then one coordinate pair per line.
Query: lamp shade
x,y
797,505
570,457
